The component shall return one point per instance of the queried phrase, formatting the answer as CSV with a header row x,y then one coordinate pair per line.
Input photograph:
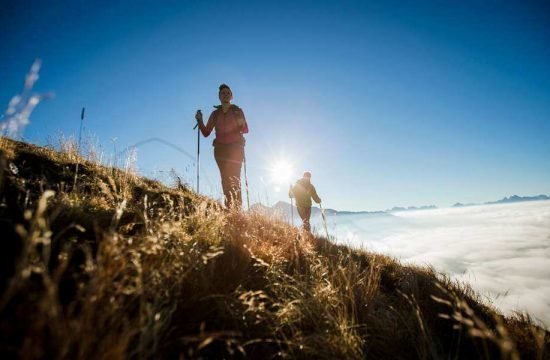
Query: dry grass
x,y
122,267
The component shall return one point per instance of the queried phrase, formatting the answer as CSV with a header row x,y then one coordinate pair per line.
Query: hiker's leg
x,y
220,154
234,167
307,216
305,213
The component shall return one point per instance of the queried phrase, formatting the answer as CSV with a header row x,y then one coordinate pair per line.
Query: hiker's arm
x,y
207,129
244,125
314,195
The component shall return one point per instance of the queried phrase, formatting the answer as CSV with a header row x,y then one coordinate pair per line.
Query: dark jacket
x,y
304,191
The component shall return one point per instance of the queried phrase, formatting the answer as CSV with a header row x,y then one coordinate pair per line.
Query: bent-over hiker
x,y
303,191
230,124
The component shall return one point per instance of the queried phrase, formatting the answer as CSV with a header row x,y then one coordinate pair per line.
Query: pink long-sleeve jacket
x,y
228,129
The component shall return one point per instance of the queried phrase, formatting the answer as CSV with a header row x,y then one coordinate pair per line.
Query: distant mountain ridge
x,y
411,208
516,198
284,208
508,199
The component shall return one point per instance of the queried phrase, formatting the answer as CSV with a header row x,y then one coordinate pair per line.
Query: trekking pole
x,y
198,151
246,181
291,207
324,218
78,146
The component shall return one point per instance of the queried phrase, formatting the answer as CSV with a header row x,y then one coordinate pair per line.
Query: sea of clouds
x,y
502,251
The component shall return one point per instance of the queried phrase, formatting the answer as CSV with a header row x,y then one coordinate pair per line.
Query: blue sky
x,y
392,103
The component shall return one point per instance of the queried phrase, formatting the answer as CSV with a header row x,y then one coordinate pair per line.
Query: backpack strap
x,y
233,107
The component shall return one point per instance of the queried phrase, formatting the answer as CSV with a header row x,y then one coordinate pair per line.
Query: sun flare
x,y
281,172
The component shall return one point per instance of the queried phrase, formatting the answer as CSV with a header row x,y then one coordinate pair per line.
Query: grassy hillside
x,y
119,266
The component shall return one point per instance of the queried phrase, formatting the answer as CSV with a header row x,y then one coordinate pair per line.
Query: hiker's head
x,y
307,176
225,94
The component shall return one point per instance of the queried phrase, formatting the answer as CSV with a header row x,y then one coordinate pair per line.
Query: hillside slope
x,y
120,266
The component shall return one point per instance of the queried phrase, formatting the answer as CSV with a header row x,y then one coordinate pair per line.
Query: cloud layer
x,y
502,251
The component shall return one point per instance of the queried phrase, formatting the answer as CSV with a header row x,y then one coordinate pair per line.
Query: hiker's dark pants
x,y
305,214
229,158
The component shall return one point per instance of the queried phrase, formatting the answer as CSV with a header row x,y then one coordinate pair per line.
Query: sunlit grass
x,y
119,266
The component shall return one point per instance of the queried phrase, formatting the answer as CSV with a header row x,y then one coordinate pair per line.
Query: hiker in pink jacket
x,y
230,124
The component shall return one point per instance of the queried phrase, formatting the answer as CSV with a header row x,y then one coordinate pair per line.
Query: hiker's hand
x,y
240,123
198,116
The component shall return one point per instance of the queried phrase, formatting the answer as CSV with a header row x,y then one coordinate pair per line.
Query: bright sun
x,y
281,172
